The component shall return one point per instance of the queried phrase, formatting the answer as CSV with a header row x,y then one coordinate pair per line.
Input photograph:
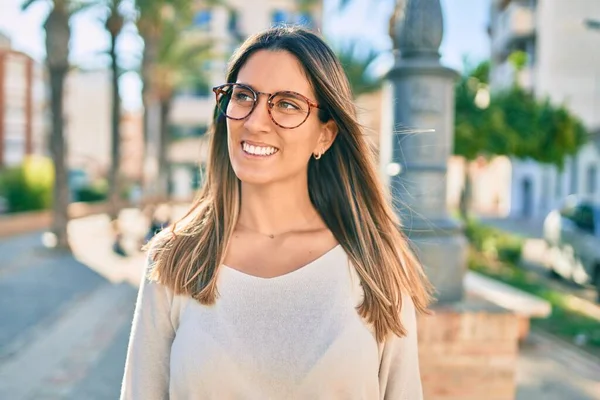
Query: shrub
x,y
98,191
493,242
29,186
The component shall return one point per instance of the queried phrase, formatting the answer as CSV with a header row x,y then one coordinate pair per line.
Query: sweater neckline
x,y
287,275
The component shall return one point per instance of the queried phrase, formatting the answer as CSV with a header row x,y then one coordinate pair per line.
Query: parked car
x,y
572,235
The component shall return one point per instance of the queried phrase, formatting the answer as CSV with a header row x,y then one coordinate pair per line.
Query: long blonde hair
x,y
343,186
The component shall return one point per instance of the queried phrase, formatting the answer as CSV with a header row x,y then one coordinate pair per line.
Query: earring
x,y
318,156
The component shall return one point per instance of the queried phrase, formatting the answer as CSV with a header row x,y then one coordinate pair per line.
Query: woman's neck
x,y
277,208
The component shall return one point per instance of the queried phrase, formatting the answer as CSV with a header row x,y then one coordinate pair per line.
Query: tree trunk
x,y
58,35
59,154
163,146
114,179
465,194
148,101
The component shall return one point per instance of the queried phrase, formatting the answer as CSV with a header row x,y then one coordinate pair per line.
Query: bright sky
x,y
465,33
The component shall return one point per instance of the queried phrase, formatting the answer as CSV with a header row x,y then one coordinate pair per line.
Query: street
x,y
65,320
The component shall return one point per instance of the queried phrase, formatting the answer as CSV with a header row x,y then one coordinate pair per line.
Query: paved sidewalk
x,y
79,352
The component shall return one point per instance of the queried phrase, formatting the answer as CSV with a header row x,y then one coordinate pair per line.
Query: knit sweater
x,y
295,336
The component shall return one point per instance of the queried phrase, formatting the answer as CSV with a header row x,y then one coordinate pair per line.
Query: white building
x,y
563,64
193,107
87,110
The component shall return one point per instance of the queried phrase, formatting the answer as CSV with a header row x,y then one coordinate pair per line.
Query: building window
x,y
306,20
202,89
202,19
187,131
280,17
591,177
232,26
559,184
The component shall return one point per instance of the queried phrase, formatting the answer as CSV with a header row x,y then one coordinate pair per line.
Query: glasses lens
x,y
235,101
288,109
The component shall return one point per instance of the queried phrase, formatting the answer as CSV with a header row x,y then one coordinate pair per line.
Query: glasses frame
x,y
220,90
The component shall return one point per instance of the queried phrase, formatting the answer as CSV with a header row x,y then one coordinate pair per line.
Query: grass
x,y
502,264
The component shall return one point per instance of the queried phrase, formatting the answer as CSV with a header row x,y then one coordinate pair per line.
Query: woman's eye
x,y
286,105
242,96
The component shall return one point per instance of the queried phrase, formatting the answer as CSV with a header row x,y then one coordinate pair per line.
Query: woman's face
x,y
260,151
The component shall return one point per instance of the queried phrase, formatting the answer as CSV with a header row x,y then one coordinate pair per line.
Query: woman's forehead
x,y
273,71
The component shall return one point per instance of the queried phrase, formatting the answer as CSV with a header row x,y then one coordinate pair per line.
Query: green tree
x,y
513,123
58,35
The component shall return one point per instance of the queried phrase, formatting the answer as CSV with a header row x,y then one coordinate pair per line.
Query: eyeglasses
x,y
287,110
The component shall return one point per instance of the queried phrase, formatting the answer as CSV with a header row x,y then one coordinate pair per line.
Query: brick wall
x,y
469,352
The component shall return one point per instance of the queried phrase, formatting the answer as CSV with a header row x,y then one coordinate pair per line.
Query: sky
x,y
465,23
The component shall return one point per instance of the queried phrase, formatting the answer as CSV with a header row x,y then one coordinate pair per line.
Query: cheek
x,y
302,141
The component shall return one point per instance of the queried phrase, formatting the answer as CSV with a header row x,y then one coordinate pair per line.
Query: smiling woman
x,y
290,277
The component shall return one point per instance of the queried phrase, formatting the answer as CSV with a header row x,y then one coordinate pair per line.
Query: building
x,y
23,106
88,128
563,64
226,27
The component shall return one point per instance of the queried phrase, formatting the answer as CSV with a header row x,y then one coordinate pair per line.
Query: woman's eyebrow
x,y
275,91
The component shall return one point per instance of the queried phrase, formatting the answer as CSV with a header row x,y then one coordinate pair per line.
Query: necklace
x,y
271,235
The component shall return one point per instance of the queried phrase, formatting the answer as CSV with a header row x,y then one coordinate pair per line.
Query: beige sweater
x,y
296,336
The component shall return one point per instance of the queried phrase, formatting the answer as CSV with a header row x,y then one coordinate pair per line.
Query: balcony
x,y
192,110
503,76
516,22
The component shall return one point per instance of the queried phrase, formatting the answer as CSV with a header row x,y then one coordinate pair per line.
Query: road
x,y
65,320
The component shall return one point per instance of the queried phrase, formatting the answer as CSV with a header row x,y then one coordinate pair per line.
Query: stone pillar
x,y
423,98
468,348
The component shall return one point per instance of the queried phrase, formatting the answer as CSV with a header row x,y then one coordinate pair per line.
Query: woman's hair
x,y
343,186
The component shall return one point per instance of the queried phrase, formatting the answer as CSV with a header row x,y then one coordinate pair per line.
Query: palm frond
x,y
26,4
356,59
76,6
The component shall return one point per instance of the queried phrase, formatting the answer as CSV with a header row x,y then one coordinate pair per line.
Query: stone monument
x,y
423,92
468,348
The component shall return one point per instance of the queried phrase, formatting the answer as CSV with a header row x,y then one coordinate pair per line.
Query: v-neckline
x,y
287,274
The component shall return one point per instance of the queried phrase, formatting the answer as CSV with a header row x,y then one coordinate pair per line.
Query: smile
x,y
261,151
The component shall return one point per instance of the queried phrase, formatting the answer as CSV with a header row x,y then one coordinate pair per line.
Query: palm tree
x,y
114,25
151,17
356,66
181,61
58,34
152,21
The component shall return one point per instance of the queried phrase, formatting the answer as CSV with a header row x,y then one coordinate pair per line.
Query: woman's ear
x,y
329,132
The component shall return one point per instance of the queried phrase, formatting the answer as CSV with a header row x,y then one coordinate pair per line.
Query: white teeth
x,y
258,150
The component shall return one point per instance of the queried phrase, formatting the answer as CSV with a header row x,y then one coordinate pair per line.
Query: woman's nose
x,y
259,119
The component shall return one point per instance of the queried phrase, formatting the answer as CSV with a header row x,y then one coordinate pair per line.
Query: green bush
x,y
493,242
98,191
29,186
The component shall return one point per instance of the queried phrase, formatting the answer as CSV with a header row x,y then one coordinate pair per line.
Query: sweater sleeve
x,y
399,375
146,374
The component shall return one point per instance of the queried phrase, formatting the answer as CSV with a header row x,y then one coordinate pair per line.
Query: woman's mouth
x,y
258,151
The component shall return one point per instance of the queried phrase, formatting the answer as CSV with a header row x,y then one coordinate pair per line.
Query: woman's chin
x,y
255,177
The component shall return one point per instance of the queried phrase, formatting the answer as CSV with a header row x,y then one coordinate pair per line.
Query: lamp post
x,y
423,102
594,25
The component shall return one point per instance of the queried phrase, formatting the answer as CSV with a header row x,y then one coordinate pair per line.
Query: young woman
x,y
290,277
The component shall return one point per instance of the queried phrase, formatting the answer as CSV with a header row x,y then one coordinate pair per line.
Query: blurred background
x,y
104,110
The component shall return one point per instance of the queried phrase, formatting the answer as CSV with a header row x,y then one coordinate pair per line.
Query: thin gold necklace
x,y
271,235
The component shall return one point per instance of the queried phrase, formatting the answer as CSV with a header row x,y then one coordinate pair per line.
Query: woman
x,y
289,277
